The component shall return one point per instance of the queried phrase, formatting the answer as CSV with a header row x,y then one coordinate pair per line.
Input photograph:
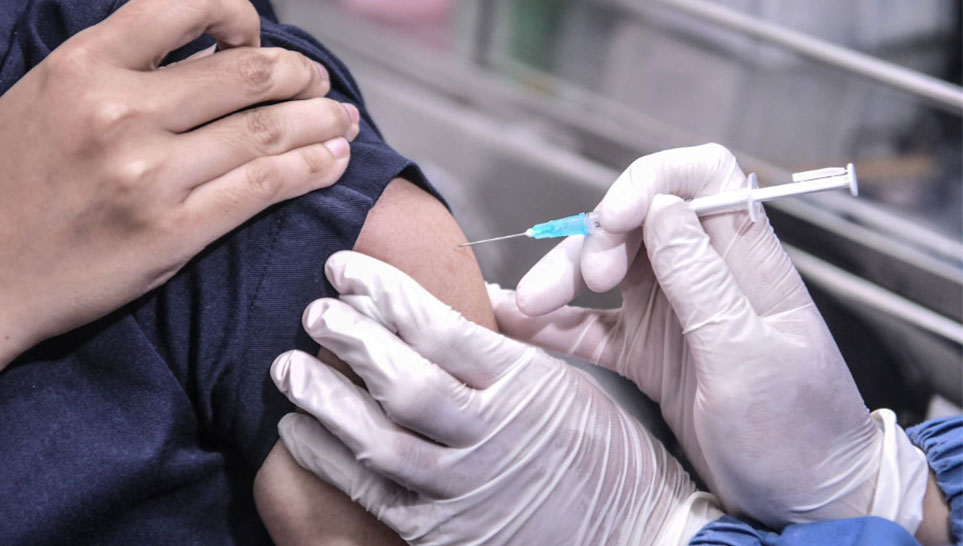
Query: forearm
x,y
935,527
298,508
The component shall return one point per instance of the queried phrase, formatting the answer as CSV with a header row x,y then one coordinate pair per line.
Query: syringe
x,y
748,198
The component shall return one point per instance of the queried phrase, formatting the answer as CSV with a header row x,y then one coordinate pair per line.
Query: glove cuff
x,y
903,472
694,513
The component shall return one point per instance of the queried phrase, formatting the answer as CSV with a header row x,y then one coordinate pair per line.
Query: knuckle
x,y
128,175
379,458
723,165
303,68
398,457
639,166
104,116
404,407
203,7
73,57
305,65
336,112
718,152
315,161
265,128
264,178
198,12
256,69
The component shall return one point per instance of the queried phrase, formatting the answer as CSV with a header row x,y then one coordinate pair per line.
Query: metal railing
x,y
935,91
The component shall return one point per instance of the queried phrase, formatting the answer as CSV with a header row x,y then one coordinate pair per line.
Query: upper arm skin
x,y
411,230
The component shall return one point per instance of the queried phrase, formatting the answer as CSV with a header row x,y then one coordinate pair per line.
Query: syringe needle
x,y
494,239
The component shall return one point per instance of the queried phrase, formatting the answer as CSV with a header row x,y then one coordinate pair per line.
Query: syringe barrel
x,y
720,202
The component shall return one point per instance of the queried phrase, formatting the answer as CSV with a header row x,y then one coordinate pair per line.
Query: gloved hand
x,y
465,436
717,327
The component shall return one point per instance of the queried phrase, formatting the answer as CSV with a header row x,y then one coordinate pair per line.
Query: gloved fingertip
x,y
313,314
603,269
599,279
280,370
606,258
288,423
293,428
524,301
553,281
334,267
530,298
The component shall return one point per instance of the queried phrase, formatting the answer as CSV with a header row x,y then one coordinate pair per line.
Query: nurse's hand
x,y
464,436
113,174
717,327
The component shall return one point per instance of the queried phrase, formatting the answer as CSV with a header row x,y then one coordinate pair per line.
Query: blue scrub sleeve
x,y
942,442
866,531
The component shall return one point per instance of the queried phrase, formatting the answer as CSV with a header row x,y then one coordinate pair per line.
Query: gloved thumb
x,y
708,302
578,331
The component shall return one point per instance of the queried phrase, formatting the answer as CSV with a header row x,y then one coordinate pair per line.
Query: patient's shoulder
x,y
411,230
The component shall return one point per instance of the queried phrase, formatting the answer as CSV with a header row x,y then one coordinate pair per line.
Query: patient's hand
x,y
411,230
114,174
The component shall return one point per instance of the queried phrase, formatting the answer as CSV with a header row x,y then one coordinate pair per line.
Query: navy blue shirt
x,y
148,425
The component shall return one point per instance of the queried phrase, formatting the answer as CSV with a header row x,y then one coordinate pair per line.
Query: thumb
x,y
708,302
589,334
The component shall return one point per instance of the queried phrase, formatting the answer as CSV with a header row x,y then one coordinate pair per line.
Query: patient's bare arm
x,y
413,231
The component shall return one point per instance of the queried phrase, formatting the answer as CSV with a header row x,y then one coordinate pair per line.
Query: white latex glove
x,y
717,327
465,436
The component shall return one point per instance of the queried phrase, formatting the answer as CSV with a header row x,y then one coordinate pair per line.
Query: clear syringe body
x,y
747,198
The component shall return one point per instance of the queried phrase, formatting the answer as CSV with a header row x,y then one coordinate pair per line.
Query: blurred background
x,y
524,110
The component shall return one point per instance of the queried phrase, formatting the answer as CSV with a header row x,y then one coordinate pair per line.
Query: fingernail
x,y
321,70
352,111
203,53
338,147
